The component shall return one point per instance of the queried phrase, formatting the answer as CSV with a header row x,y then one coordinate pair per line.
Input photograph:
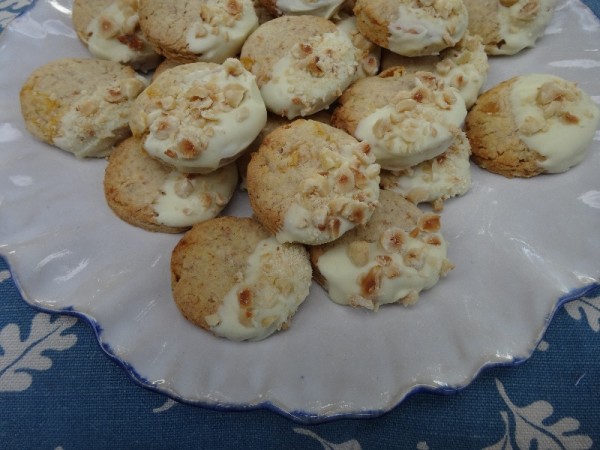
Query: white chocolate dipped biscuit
x,y
464,66
197,30
531,124
310,183
80,105
110,30
302,63
412,27
435,180
148,194
405,127
554,118
198,117
509,26
399,253
233,279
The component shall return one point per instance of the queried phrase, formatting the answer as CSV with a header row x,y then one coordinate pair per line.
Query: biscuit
x,y
200,116
391,259
509,26
149,195
232,278
412,27
531,124
435,180
310,183
464,66
321,8
406,118
110,30
80,105
197,30
302,63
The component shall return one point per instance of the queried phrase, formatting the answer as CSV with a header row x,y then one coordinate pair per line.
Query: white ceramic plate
x,y
520,247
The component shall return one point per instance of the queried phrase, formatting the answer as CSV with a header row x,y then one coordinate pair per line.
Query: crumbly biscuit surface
x,y
302,63
310,182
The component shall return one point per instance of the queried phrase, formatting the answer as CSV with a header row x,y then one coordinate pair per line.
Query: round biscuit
x,y
230,277
81,105
110,30
197,117
406,118
150,195
310,182
412,27
531,124
301,63
392,258
509,26
197,30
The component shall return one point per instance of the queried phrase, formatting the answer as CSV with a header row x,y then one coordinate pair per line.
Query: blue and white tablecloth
x,y
58,390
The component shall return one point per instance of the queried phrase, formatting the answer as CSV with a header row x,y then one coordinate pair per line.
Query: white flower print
x,y
531,426
590,307
18,358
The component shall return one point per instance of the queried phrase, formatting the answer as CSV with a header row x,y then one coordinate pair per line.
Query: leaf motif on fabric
x,y
590,307
18,358
352,444
4,275
533,428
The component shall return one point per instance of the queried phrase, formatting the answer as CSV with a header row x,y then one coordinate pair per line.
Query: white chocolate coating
x,y
115,35
322,8
437,179
369,54
186,199
555,118
392,268
275,282
203,121
521,24
311,76
98,119
409,132
426,27
464,66
222,30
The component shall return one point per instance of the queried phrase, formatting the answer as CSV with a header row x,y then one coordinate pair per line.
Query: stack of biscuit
x,y
339,117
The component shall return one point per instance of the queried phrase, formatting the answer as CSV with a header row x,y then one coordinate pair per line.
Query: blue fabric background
x,y
87,401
